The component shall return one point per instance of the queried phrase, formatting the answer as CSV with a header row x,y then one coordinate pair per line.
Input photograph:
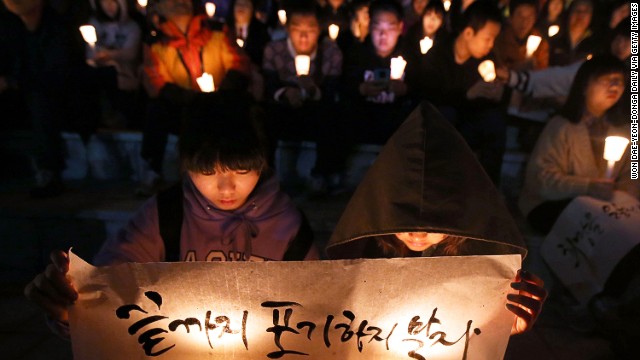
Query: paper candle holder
x,y
487,70
533,41
397,67
334,30
210,8
614,147
89,34
205,82
303,63
282,16
426,44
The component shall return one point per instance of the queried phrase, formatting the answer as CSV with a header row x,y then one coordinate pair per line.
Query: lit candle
x,y
553,30
240,42
210,8
425,44
397,67
89,35
303,63
282,16
333,31
614,147
142,3
487,70
447,5
533,41
205,82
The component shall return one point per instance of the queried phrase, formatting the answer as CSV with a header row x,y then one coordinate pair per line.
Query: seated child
x,y
232,208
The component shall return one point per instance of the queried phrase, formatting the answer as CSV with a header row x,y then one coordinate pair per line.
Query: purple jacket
x,y
262,229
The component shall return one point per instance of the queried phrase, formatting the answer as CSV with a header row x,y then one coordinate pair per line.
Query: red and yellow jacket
x,y
182,58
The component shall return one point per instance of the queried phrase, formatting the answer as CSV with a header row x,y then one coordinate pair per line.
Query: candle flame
x,y
425,44
303,63
282,16
397,67
205,82
240,42
333,31
533,41
487,70
210,8
447,5
553,30
614,147
89,34
143,3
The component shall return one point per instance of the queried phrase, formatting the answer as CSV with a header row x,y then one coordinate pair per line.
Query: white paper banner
x,y
589,238
420,308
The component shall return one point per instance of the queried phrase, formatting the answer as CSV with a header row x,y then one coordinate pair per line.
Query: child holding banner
x,y
229,206
433,199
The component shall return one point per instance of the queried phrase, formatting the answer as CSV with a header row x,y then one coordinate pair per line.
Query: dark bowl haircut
x,y
514,4
388,6
356,5
479,14
573,6
434,6
591,69
102,16
221,132
300,7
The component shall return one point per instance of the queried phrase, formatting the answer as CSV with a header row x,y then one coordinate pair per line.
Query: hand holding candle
x,y
333,31
282,16
614,147
205,82
553,30
426,44
210,8
533,41
487,70
89,35
397,67
303,63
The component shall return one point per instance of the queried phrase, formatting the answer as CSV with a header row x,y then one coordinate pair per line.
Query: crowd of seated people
x,y
335,72
147,62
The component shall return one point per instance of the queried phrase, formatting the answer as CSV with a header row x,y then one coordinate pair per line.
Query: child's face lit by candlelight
x,y
226,190
420,241
303,31
110,8
385,31
431,22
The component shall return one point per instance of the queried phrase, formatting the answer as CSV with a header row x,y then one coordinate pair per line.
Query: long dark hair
x,y
573,108
231,18
390,246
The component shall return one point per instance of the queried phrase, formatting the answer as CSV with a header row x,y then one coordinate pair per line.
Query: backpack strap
x,y
170,214
301,244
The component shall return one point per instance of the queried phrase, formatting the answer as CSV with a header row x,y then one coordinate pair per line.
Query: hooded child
x,y
432,198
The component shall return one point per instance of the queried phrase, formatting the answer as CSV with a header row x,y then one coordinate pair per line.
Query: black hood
x,y
426,178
